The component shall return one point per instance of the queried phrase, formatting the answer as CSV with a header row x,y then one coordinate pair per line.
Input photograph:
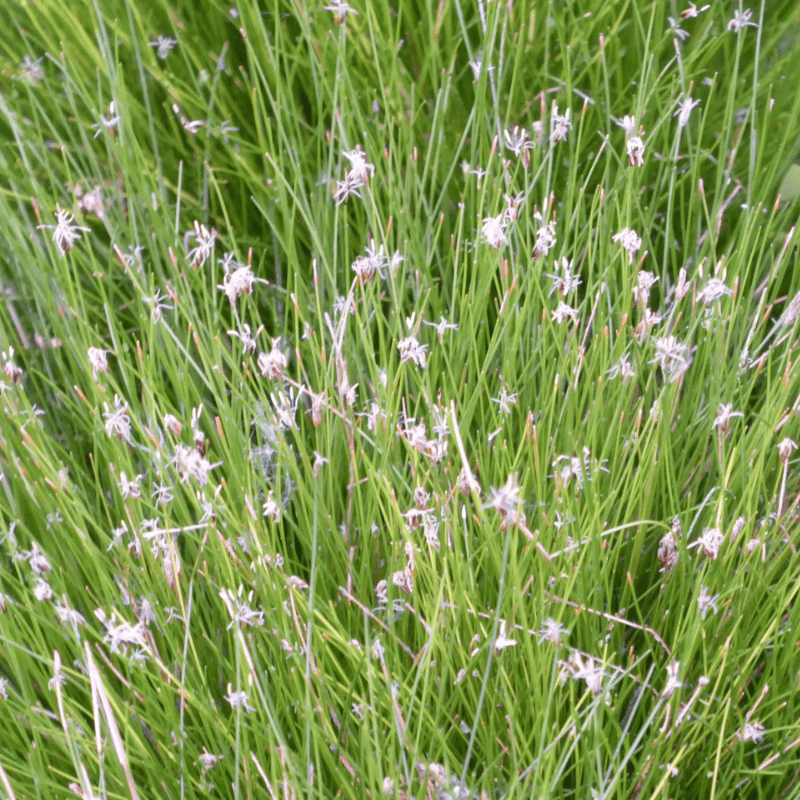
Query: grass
x,y
351,447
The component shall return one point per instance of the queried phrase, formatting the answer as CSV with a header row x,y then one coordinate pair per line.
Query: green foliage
x,y
399,403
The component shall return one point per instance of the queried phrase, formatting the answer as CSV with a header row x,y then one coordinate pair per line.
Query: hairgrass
x,y
424,532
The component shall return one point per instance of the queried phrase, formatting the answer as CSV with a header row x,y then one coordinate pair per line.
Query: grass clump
x,y
399,400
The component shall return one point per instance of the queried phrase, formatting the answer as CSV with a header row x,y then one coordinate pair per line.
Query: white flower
x,y
109,123
682,286
628,124
359,166
725,413
159,306
710,542
246,338
741,19
706,601
513,204
559,125
190,464
684,110
124,634
442,326
37,560
65,234
677,31
552,631
505,401
68,615
644,282
32,70
118,422
673,681
517,141
714,290
240,610
238,699
785,449
172,424
164,45
507,502
272,364
41,589
130,489
411,350
563,312
545,237
11,370
240,281
403,579
271,509
588,671
340,11
673,356
629,240
751,732
349,186
204,244
476,64
635,148
493,231
566,282
622,368
502,641
693,11
374,262
208,760
98,359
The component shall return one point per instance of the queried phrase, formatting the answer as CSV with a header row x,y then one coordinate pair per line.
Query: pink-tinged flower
x,y
710,542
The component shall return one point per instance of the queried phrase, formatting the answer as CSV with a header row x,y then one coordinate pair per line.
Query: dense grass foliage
x,y
399,400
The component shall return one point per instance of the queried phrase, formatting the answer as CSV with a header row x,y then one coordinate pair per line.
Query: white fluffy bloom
x,y
629,240
635,149
240,281
411,350
710,542
493,231
65,234
359,166
98,359
751,732
272,364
